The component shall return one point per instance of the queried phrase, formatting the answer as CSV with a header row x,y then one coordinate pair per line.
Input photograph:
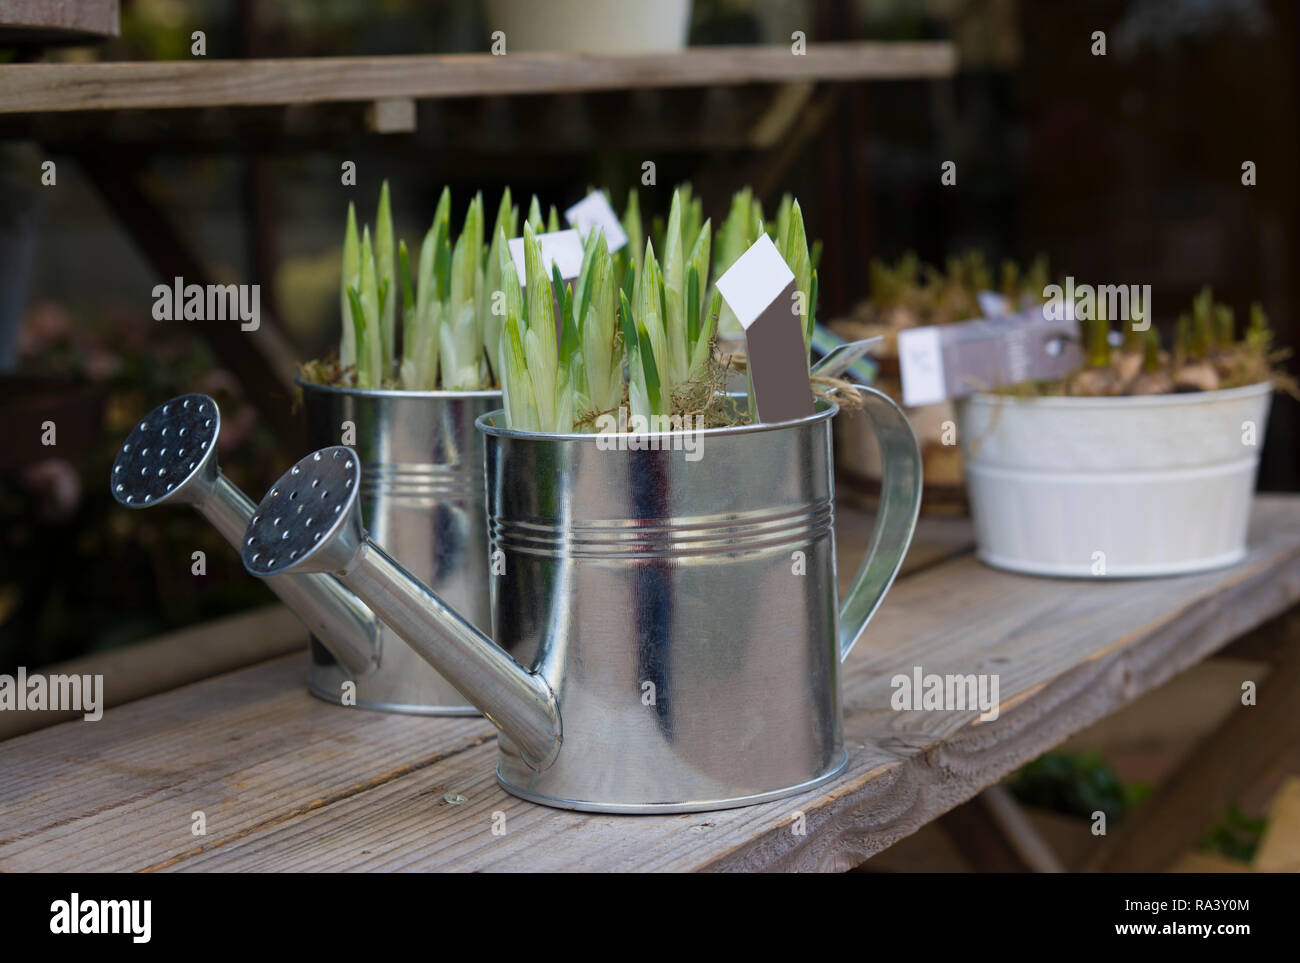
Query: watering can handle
x,y
900,500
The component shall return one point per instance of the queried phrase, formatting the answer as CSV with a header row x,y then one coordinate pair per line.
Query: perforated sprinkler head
x,y
170,455
309,521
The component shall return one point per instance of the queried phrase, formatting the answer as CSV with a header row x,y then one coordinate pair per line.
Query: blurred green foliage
x,y
1076,785
1236,836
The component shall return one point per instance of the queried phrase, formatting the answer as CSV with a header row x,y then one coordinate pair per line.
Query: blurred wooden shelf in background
x,y
30,88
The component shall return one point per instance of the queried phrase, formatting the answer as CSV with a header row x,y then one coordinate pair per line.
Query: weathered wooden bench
x,y
286,782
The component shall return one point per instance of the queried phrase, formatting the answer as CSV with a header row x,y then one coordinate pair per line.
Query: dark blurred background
x,y
1125,168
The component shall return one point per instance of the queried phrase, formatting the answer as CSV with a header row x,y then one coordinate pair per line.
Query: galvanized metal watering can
x,y
667,632
421,499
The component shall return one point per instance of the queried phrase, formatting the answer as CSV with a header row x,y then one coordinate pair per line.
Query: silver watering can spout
x,y
310,522
170,457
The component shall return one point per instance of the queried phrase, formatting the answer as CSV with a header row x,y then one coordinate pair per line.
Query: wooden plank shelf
x,y
199,84
173,660
548,127
289,783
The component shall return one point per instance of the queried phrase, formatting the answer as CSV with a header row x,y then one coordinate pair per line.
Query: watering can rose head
x,y
309,520
169,453
170,458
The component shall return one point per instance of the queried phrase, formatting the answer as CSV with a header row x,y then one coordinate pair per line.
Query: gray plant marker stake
x,y
759,288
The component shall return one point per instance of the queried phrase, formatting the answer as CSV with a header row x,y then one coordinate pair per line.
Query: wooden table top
x,y
286,782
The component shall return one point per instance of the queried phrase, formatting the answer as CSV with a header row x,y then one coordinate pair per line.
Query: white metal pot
x,y
591,26
1113,487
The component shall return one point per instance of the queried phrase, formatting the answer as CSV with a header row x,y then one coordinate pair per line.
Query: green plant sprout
x,y
636,326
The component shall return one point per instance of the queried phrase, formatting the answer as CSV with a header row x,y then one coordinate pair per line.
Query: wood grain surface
x,y
289,783
172,660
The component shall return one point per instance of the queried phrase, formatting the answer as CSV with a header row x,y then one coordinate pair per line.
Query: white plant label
x,y
593,212
920,360
758,278
953,360
844,356
760,289
560,248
